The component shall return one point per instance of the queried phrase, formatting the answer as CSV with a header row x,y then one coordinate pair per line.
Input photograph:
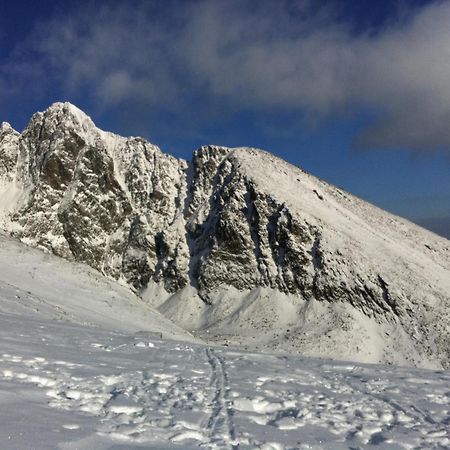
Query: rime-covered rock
x,y
9,139
92,196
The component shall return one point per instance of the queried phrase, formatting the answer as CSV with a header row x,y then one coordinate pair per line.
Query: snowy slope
x,y
36,284
235,246
70,386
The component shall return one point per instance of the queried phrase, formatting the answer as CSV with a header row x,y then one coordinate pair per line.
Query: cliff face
x,y
9,140
238,219
93,196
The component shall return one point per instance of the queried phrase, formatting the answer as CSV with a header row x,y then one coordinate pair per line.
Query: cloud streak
x,y
284,56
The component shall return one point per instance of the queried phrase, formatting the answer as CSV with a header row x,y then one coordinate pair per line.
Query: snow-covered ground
x,y
83,365
76,387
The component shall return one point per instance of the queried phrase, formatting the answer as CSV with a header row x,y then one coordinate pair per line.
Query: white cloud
x,y
276,55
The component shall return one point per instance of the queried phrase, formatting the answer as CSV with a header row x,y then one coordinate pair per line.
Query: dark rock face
x,y
248,239
94,197
97,208
9,140
236,218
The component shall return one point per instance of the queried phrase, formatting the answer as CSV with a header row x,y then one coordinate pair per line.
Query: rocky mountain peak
x,y
6,128
62,119
66,109
7,133
233,238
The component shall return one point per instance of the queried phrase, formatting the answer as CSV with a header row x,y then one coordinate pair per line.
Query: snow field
x,y
167,394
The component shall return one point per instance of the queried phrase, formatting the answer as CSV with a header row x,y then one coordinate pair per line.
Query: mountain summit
x,y
235,245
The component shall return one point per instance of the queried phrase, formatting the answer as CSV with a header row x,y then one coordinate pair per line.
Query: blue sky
x,y
357,93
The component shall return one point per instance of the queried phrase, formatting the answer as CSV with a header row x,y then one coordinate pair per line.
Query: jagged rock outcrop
x,y
96,197
9,140
237,219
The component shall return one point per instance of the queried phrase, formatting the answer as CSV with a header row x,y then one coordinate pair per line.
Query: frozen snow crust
x,y
236,246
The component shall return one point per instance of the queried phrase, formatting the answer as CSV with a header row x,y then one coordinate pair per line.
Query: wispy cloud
x,y
279,55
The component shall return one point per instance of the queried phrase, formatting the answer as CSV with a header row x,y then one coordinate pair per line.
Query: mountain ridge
x,y
233,229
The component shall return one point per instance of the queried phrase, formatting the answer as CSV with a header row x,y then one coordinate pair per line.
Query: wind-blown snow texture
x,y
236,245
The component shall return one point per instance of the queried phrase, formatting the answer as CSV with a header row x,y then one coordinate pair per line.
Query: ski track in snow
x,y
127,391
221,420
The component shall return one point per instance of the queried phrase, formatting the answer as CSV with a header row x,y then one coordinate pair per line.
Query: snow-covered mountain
x,y
236,246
